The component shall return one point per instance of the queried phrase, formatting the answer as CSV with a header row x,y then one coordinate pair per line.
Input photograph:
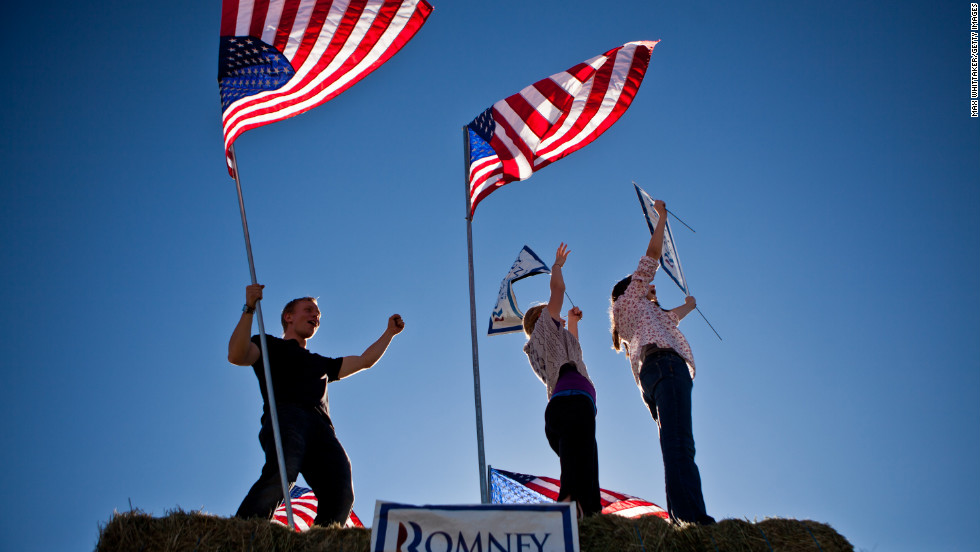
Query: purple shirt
x,y
570,382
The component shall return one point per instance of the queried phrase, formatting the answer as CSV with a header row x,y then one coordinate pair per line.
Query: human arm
x,y
558,282
685,309
574,315
371,355
241,350
656,246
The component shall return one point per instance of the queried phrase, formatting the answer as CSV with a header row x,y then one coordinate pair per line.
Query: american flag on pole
x,y
279,58
552,118
519,488
304,505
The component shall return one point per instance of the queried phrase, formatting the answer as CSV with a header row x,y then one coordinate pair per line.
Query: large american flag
x,y
519,488
304,503
279,58
552,118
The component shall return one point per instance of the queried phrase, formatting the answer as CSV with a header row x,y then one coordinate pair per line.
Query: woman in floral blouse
x,y
663,368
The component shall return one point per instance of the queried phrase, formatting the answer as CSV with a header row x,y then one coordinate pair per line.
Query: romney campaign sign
x,y
475,528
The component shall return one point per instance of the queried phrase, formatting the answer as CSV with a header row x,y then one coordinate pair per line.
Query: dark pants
x,y
310,447
666,385
569,424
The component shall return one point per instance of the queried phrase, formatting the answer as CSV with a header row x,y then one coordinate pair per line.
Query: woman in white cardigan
x,y
556,358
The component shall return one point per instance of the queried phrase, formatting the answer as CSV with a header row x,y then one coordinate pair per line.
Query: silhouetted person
x,y
300,378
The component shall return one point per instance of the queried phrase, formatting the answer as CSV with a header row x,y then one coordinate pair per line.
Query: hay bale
x,y
181,531
648,534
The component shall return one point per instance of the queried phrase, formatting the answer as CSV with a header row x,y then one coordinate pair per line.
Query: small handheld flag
x,y
669,260
507,316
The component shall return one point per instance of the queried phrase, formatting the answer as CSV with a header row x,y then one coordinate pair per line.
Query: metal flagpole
x,y
484,496
265,353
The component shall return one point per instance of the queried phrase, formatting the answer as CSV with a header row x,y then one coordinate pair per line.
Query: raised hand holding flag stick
x,y
675,216
667,252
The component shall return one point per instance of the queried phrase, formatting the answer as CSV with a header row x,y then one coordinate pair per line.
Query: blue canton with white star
x,y
480,131
247,66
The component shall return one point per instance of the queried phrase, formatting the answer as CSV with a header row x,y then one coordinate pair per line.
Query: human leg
x,y
327,469
570,428
266,494
666,384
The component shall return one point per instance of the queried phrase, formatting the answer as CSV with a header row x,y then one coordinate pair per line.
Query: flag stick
x,y
675,216
681,221
484,496
265,352
709,323
570,299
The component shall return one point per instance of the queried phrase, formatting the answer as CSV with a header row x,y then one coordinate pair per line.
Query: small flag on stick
x,y
507,316
669,260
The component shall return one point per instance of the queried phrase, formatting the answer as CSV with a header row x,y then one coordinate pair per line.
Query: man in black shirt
x,y
300,379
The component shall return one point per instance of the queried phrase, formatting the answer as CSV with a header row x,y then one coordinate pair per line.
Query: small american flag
x,y
279,58
304,502
552,118
519,488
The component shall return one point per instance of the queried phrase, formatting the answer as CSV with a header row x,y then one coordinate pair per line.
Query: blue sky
x,y
823,151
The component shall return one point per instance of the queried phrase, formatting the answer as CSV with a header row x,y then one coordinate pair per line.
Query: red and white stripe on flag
x,y
553,117
304,503
284,57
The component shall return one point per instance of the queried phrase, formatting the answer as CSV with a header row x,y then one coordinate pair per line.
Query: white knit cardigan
x,y
551,346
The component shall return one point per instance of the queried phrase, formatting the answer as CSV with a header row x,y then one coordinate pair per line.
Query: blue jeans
x,y
666,385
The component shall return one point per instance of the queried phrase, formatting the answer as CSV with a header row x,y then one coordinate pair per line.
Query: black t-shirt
x,y
299,377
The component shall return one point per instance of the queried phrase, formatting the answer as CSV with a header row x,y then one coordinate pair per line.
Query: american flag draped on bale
x,y
304,504
552,118
279,58
519,488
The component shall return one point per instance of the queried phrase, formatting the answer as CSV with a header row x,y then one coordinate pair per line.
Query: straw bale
x,y
181,531
648,534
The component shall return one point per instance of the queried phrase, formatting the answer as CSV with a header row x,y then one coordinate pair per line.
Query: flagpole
x,y
484,497
265,352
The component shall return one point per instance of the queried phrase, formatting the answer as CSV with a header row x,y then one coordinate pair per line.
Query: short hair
x,y
531,318
290,306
